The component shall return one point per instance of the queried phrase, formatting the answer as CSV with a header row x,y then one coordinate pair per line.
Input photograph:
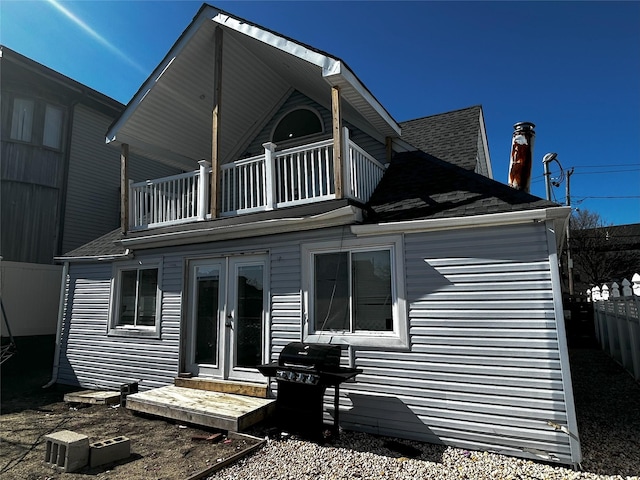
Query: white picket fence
x,y
617,321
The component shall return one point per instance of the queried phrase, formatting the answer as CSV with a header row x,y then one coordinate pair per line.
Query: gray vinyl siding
x,y
286,303
91,358
297,99
31,178
93,187
484,369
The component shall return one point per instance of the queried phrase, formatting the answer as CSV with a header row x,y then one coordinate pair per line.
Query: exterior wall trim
x,y
558,214
572,423
337,217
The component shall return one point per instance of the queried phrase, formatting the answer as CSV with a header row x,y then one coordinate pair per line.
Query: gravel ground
x,y
608,411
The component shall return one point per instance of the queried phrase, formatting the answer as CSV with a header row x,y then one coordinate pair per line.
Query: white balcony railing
x,y
272,180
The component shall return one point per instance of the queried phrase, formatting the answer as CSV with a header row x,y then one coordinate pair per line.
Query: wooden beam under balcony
x,y
124,187
338,141
215,127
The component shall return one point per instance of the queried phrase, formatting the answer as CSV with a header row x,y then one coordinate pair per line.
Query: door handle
x,y
228,323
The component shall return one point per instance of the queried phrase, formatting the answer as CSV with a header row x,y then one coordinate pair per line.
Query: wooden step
x,y
200,407
223,386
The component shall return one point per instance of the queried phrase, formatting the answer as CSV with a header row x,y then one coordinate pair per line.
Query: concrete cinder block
x,y
67,450
108,451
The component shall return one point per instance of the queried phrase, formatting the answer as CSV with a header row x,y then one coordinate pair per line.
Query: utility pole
x,y
569,261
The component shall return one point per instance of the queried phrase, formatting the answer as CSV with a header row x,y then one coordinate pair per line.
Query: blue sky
x,y
572,68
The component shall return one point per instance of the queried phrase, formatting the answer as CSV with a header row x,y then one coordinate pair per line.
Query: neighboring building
x,y
314,218
60,183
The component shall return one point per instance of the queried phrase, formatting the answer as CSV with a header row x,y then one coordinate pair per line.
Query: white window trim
x,y
396,339
131,330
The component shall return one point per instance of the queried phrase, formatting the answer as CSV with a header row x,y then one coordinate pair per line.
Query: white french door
x,y
227,317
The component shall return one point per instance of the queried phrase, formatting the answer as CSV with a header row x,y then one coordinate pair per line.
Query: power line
x,y
539,178
610,165
610,196
609,171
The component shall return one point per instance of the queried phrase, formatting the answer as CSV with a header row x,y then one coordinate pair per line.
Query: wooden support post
x,y
337,140
124,187
215,127
389,147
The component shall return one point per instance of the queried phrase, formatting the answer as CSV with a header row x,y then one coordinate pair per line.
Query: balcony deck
x,y
275,179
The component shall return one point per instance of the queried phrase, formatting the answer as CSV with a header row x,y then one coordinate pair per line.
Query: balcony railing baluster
x,y
290,177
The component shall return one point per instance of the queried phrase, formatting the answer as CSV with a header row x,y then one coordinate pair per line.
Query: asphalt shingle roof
x,y
416,185
420,186
107,244
450,136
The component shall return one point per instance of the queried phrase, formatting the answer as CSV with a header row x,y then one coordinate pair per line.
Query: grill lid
x,y
319,357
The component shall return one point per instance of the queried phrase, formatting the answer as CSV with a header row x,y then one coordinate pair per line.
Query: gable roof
x,y
420,186
450,136
171,114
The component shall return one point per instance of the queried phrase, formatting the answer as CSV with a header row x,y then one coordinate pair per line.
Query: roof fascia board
x,y
400,145
343,72
485,144
204,14
96,258
340,216
316,58
557,214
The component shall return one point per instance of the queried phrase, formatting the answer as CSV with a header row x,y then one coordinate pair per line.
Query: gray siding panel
x,y
484,368
93,189
297,99
92,358
286,301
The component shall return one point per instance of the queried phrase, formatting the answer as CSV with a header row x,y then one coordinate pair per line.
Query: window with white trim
x,y
354,293
136,300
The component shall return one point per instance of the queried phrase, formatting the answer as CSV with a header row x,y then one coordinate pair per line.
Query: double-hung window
x,y
52,135
354,293
37,123
136,300
22,119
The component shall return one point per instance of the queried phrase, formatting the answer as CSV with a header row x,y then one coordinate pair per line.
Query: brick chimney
x,y
521,156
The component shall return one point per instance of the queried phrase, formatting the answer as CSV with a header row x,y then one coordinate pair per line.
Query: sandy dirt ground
x,y
160,449
607,407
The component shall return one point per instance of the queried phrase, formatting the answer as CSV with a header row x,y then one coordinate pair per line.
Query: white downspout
x,y
56,355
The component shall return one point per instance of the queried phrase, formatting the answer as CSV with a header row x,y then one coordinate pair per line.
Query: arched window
x,y
297,123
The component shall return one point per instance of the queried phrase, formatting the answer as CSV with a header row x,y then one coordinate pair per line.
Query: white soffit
x,y
335,72
276,61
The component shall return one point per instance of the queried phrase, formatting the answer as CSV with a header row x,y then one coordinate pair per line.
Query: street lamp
x,y
546,160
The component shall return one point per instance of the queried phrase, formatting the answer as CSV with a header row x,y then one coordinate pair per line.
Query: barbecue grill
x,y
303,372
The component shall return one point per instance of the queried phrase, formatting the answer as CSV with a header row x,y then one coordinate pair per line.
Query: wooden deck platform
x,y
93,397
210,409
